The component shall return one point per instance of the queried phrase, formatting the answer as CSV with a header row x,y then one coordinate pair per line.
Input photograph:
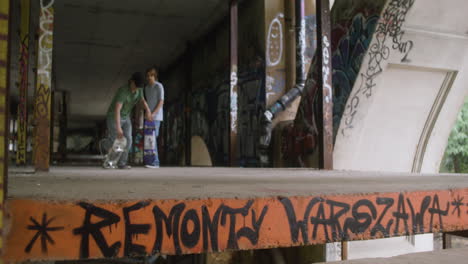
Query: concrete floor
x,y
96,184
459,255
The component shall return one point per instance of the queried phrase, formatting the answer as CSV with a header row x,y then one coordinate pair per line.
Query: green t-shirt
x,y
128,100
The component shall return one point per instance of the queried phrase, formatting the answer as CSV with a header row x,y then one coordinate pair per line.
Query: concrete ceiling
x,y
98,44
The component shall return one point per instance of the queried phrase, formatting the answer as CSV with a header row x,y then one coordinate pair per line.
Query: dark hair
x,y
138,78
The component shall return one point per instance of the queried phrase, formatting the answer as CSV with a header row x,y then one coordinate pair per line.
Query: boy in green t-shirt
x,y
118,115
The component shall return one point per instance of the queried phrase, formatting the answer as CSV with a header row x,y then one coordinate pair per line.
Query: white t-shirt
x,y
154,94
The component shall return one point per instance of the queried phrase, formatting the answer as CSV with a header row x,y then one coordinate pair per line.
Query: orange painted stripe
x,y
78,230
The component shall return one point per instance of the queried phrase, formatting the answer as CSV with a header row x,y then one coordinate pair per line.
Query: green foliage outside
x,y
456,155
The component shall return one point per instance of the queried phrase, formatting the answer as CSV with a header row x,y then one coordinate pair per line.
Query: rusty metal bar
x,y
324,64
188,107
233,39
344,250
42,104
63,123
446,240
23,83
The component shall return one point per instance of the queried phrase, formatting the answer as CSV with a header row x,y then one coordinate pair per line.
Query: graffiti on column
x,y
233,98
93,230
4,23
43,89
275,80
23,83
274,43
388,37
351,34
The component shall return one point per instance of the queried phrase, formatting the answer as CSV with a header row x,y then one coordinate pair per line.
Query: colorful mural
x,y
353,25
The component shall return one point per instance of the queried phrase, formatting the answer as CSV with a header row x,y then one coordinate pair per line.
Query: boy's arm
x,y
149,117
161,101
158,107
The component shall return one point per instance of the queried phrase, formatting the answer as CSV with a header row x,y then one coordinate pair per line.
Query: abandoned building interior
x,y
294,131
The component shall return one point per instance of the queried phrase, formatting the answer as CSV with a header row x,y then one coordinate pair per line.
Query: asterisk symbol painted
x,y
457,202
43,230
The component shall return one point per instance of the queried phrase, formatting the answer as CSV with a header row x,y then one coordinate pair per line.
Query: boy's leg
x,y
127,131
111,135
157,125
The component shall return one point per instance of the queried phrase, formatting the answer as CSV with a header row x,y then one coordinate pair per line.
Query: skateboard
x,y
150,142
111,159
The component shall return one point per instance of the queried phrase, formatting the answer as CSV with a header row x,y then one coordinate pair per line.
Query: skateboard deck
x,y
149,154
113,156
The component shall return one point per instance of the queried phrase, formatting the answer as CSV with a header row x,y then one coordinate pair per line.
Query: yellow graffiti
x,y
23,83
42,103
4,18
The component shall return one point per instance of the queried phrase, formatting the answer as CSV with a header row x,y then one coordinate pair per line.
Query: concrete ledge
x,y
459,255
79,213
96,184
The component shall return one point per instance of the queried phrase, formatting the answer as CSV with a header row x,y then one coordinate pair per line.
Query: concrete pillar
x,y
4,83
23,82
42,104
233,149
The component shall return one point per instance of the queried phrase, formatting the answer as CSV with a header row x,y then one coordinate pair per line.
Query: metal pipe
x,y
291,95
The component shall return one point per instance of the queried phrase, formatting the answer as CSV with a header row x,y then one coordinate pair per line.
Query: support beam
x,y
233,37
324,64
42,104
23,83
90,218
5,10
63,123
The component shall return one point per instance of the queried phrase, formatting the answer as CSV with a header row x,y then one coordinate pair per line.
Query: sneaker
x,y
152,166
124,167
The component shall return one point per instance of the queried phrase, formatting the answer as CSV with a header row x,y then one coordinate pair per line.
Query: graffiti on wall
x,y
351,33
210,115
174,125
388,37
91,230
23,83
43,90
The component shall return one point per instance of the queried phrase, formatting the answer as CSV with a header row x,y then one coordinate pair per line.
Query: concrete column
x,y
42,104
4,83
23,83
233,149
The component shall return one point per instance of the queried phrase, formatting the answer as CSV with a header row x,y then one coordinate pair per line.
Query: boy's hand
x,y
149,117
120,133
